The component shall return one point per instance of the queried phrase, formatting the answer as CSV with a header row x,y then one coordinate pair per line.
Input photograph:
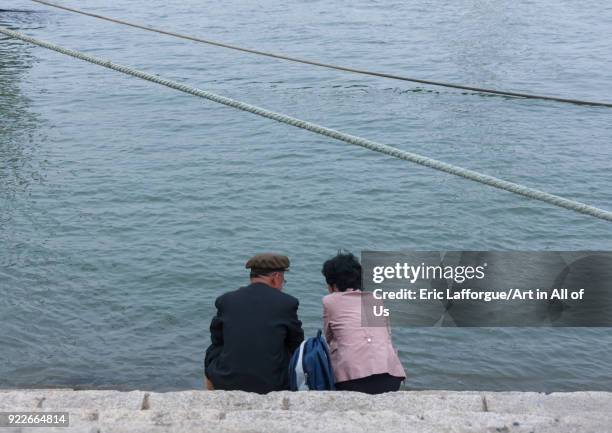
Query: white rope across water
x,y
347,138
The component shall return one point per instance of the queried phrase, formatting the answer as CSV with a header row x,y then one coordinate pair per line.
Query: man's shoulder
x,y
290,299
281,298
228,295
270,291
265,290
244,294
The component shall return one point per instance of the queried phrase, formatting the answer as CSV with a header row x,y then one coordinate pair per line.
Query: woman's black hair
x,y
344,271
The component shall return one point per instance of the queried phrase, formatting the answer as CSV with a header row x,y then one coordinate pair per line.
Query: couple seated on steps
x,y
256,330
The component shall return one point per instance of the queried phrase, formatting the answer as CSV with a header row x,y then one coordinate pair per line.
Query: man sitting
x,y
255,331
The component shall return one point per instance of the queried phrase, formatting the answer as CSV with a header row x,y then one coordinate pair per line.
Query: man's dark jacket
x,y
253,335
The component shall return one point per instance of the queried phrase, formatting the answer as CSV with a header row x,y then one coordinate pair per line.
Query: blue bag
x,y
310,366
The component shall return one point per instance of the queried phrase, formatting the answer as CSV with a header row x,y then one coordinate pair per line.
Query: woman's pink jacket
x,y
357,351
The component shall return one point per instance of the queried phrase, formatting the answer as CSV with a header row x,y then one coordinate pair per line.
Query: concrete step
x,y
328,421
219,411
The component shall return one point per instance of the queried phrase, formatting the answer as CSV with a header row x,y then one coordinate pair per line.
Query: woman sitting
x,y
363,358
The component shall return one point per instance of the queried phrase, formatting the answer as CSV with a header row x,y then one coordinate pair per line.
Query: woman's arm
x,y
327,324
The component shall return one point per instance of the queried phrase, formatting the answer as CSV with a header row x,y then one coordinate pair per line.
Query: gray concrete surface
x,y
321,412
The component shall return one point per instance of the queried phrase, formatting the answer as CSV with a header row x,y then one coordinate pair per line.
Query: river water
x,y
127,208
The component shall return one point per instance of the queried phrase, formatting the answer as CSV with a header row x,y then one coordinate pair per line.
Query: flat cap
x,y
268,262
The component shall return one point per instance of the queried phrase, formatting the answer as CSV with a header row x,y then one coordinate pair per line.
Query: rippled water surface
x,y
126,208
